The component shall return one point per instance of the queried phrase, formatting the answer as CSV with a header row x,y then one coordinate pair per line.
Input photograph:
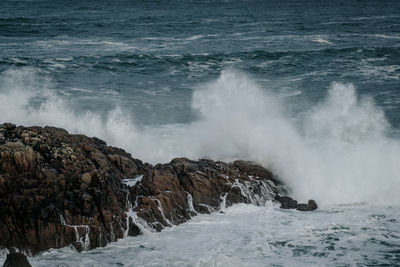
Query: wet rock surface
x,y
16,259
289,203
171,193
58,189
311,205
286,202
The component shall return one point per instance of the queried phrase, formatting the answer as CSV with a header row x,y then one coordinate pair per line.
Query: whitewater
x,y
246,235
339,151
309,90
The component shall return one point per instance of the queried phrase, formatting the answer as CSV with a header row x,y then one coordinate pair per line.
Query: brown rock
x,y
86,178
55,186
178,190
43,192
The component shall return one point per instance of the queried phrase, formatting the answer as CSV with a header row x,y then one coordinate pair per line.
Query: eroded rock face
x,y
172,193
58,189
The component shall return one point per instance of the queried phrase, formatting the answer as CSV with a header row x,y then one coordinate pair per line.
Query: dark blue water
x,y
147,56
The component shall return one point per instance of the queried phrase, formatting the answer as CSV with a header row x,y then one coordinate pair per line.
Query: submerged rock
x,y
58,189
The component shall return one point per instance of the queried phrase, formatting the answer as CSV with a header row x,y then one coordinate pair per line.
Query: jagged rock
x,y
286,202
16,259
54,186
172,193
58,189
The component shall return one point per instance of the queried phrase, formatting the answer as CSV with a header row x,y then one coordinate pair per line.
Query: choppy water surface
x,y
147,57
309,89
246,235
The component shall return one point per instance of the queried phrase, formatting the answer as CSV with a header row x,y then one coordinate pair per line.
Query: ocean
x,y
308,89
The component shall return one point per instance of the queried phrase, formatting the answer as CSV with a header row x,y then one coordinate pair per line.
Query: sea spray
x,y
337,152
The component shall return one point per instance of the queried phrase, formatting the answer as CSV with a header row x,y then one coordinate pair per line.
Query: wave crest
x,y
339,152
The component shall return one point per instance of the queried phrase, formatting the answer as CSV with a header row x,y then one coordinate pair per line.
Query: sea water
x,y
309,89
245,235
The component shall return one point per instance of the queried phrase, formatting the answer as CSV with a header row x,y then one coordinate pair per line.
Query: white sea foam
x,y
94,43
133,181
340,153
246,235
64,58
190,38
387,36
322,41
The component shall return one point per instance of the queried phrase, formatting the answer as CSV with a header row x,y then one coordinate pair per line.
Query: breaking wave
x,y
337,152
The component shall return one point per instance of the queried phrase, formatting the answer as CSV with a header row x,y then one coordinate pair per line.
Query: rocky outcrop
x,y
311,205
289,203
286,202
171,193
16,259
59,189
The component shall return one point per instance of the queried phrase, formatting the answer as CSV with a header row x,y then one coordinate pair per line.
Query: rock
x,y
2,139
55,186
86,178
301,207
171,193
58,189
134,230
286,202
289,203
9,126
311,205
16,259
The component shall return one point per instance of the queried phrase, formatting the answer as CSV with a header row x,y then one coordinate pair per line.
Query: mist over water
x,y
338,151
